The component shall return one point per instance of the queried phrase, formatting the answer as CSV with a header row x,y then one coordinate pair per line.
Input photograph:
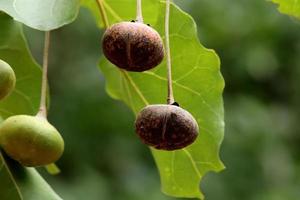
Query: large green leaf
x,y
13,50
290,7
17,182
198,87
22,183
41,14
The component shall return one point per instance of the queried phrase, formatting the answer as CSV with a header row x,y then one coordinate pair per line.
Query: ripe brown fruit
x,y
30,140
133,46
166,127
7,79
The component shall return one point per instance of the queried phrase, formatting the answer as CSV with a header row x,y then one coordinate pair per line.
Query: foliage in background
x,y
18,183
290,7
261,66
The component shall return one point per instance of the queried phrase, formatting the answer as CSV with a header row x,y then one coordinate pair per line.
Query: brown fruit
x,y
133,46
166,127
30,140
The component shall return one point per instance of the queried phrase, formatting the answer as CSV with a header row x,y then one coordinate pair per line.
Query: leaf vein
x,y
135,87
25,97
6,111
114,14
187,89
172,169
130,101
193,162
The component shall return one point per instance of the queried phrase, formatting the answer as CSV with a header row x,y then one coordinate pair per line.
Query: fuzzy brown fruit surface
x,y
7,79
30,140
133,46
166,127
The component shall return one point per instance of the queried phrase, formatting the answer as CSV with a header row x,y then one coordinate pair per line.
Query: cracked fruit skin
x,y
166,127
7,79
31,140
133,46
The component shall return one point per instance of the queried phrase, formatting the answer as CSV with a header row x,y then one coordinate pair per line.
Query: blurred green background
x,y
260,54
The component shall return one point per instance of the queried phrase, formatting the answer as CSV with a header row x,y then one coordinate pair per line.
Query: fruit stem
x,y
139,13
103,13
170,98
43,107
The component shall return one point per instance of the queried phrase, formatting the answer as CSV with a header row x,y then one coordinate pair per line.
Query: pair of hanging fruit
x,y
30,140
137,47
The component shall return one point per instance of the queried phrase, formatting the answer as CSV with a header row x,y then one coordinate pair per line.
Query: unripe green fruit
x,y
7,79
30,140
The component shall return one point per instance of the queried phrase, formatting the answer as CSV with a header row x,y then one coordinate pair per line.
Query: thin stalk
x,y
170,98
103,13
139,13
43,107
51,168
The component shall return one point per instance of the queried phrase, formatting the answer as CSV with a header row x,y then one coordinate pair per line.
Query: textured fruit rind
x,y
166,127
133,46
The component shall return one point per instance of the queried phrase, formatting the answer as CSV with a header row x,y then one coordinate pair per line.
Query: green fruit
x,y
7,79
30,140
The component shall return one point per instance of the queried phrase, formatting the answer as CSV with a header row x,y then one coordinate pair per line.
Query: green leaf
x,y
14,50
198,87
22,183
17,182
289,7
41,14
123,10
